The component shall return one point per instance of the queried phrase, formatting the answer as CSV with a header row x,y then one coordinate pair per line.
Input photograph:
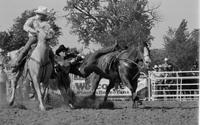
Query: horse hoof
x,y
71,106
106,105
42,108
92,97
11,103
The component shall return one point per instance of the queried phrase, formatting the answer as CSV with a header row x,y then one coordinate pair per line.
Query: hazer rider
x,y
31,26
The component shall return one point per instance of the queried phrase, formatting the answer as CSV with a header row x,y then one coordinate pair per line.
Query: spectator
x,y
156,73
156,68
167,66
160,68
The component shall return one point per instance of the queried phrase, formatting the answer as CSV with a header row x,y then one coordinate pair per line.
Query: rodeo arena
x,y
42,85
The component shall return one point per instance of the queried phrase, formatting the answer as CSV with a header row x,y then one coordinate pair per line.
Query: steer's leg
x,y
13,87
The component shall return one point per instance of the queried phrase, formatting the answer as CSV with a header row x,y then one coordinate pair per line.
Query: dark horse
x,y
124,66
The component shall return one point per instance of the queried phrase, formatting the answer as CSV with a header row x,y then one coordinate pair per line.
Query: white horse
x,y
39,67
3,85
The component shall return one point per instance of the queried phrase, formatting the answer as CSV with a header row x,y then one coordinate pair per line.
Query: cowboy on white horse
x,y
31,27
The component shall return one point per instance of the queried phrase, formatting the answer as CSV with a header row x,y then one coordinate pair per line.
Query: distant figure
x,y
195,66
156,68
167,66
156,73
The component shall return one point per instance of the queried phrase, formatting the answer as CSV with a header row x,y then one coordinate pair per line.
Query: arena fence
x,y
175,85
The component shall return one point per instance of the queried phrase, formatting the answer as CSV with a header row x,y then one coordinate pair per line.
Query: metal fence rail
x,y
173,85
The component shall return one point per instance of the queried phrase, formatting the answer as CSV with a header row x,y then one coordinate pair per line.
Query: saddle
x,y
28,56
23,61
109,63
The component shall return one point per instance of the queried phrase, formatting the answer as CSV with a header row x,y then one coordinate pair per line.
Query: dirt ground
x,y
149,113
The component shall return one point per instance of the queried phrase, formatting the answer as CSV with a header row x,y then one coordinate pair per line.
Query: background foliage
x,y
127,21
181,46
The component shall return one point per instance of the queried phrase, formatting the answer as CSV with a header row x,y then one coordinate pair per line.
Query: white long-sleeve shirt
x,y
31,25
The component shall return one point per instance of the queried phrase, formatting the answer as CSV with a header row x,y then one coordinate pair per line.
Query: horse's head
x,y
45,31
146,55
140,52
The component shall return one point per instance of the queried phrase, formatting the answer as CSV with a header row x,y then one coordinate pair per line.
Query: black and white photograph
x,y
99,62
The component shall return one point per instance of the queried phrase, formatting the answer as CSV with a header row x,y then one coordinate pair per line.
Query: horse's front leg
x,y
38,91
131,84
109,87
95,83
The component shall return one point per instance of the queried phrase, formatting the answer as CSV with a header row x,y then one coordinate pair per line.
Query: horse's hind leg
x,y
134,93
132,85
13,88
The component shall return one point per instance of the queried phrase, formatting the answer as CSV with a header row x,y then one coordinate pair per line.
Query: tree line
x,y
106,21
180,46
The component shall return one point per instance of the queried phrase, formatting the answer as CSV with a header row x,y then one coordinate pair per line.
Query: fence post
x,y
181,91
149,86
178,92
180,96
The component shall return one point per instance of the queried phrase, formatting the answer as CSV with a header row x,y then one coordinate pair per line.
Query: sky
x,y
171,12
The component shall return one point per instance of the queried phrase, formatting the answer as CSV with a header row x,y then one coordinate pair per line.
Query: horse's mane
x,y
132,51
132,47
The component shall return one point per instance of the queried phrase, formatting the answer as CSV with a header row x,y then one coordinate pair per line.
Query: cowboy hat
x,y
42,10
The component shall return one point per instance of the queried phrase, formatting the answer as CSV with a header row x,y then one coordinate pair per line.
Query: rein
x,y
41,65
